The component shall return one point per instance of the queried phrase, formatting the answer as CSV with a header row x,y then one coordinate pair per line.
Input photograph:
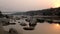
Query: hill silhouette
x,y
50,12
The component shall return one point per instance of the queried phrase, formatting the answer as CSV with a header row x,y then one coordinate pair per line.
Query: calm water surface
x,y
41,28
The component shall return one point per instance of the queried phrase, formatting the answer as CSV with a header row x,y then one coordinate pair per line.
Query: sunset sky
x,y
26,5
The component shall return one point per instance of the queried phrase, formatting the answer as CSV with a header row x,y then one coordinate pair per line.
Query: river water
x,y
41,28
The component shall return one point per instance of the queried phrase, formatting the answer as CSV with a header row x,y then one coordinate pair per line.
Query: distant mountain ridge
x,y
50,11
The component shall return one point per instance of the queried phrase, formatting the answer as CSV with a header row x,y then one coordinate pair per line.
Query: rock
x,y
23,24
13,31
28,28
18,22
33,22
27,20
12,23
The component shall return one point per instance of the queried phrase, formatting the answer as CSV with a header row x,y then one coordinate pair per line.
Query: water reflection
x,y
57,24
41,28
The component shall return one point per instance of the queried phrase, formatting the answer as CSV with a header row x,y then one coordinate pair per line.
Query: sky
x,y
26,5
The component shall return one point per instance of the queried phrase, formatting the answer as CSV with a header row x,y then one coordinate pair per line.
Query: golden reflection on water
x,y
57,25
41,28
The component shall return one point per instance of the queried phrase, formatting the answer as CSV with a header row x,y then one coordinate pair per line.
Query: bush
x,y
40,20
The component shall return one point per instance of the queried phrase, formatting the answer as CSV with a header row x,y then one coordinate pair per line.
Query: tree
x,y
47,13
6,16
1,15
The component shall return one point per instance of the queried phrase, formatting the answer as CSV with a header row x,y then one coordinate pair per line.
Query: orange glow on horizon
x,y
56,3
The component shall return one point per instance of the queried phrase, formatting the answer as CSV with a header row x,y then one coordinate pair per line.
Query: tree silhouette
x,y
1,15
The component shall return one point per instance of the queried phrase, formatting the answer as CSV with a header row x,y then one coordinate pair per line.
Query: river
x,y
41,28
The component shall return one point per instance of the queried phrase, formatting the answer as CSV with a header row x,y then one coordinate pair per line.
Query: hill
x,y
50,12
